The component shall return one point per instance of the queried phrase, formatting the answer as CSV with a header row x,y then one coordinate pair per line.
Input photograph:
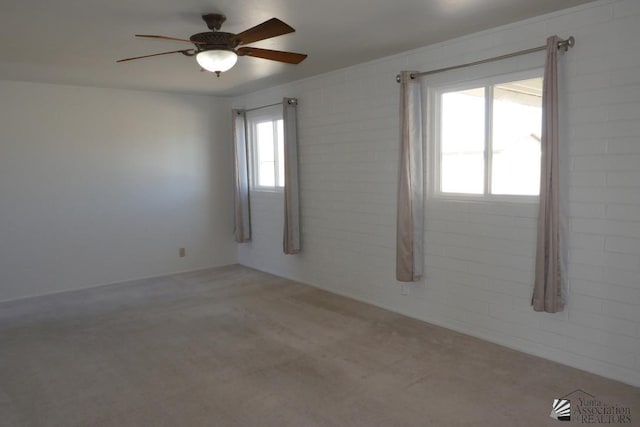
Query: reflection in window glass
x,y
517,123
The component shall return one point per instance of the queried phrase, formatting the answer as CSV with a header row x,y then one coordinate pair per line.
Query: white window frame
x,y
270,114
434,96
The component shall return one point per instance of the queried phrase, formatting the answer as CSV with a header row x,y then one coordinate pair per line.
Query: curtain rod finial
x,y
571,41
566,44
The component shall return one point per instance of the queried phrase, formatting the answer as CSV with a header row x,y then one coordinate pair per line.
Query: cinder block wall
x,y
479,256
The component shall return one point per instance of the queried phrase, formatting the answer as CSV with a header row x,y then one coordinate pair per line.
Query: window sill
x,y
485,198
268,189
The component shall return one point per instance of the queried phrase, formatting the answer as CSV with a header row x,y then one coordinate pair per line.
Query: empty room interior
x,y
305,213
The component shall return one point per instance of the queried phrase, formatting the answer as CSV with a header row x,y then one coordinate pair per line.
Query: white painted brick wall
x,y
479,256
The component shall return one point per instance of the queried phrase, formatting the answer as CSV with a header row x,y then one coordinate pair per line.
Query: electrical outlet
x,y
183,252
404,288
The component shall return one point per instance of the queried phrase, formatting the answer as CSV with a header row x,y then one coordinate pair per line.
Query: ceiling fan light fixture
x,y
215,50
217,60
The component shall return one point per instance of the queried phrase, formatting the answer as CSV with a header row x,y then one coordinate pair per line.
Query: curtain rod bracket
x,y
413,76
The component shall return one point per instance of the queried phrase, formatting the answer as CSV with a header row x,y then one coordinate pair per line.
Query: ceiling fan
x,y
217,51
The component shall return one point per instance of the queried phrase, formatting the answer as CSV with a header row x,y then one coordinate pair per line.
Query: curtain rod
x,y
562,44
290,101
264,106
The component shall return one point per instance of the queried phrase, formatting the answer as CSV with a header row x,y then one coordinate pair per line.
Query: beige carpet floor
x,y
236,347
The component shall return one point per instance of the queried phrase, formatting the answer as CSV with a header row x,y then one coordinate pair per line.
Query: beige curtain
x,y
547,290
410,209
242,217
291,238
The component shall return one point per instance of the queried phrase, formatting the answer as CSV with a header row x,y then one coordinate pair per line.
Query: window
x,y
266,136
488,137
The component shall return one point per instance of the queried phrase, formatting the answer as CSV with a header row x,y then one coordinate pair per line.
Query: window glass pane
x,y
463,173
266,178
266,159
280,130
462,141
517,124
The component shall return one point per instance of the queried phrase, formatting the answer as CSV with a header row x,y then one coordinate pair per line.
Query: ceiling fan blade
x,y
271,28
173,39
274,55
156,54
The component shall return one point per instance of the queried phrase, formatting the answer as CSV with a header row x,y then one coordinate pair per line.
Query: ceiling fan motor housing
x,y
214,40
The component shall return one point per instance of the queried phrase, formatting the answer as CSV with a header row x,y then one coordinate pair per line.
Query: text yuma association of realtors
x,y
595,411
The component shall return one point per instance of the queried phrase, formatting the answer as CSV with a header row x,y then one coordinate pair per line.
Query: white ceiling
x,y
78,41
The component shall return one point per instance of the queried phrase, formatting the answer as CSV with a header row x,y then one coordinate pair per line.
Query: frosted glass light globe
x,y
217,61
